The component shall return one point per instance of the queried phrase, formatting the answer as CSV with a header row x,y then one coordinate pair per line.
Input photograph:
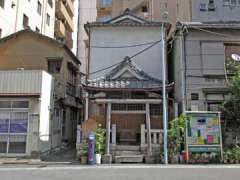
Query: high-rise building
x,y
64,25
87,13
38,15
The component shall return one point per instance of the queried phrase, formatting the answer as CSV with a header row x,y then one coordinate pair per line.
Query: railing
x,y
156,136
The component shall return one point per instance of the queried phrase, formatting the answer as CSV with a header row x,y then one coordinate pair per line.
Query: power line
x,y
124,46
131,57
212,32
142,51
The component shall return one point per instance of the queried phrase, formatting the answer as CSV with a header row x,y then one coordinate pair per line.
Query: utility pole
x,y
165,121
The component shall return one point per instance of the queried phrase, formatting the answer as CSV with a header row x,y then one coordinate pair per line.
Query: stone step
x,y
127,148
129,159
122,153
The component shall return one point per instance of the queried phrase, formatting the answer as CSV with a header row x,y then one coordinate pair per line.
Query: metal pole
x,y
165,122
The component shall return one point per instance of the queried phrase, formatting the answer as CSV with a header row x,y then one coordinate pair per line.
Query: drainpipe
x,y
182,66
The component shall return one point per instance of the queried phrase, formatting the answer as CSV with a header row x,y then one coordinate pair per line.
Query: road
x,y
121,172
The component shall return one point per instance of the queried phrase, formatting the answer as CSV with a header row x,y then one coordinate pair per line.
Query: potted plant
x,y
176,135
84,152
100,139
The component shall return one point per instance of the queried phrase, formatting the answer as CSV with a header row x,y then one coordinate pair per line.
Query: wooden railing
x,y
156,136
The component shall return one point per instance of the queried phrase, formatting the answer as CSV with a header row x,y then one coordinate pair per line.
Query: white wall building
x,y
125,30
15,15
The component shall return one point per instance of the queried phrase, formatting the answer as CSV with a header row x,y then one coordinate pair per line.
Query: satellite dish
x,y
236,57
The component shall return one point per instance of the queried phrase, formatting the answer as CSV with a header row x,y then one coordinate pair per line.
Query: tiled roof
x,y
127,18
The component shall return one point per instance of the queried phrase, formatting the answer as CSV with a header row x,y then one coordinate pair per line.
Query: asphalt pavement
x,y
121,172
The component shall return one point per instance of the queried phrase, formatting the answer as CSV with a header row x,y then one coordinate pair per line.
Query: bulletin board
x,y
203,132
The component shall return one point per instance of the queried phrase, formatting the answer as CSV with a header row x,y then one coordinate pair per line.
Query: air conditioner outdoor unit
x,y
211,7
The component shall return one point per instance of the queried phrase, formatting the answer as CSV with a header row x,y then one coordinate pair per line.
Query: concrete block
x,y
107,159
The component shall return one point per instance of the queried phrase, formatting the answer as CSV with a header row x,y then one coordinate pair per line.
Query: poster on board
x,y
203,132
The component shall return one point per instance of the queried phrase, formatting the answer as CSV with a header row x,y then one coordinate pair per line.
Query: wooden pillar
x,y
148,124
108,128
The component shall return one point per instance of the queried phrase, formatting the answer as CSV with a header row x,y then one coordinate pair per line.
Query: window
x,y
5,104
48,20
214,106
25,21
194,96
13,126
155,109
166,5
2,2
144,9
233,2
54,65
39,8
20,104
230,2
106,2
128,107
0,32
13,132
203,7
50,2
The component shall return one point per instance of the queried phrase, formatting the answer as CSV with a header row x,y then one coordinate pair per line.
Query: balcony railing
x,y
63,14
69,7
60,29
71,90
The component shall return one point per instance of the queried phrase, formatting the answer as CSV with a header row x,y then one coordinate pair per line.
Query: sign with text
x,y
203,132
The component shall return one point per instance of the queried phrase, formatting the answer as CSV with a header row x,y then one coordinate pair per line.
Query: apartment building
x,y
38,15
208,10
147,9
64,25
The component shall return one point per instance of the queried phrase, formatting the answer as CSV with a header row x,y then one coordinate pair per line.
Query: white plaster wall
x,y
45,106
7,18
11,17
150,61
